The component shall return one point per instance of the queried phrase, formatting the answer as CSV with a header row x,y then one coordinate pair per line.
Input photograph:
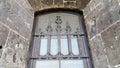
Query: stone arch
x,y
47,4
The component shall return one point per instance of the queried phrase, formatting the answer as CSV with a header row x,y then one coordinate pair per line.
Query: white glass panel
x,y
54,45
64,45
43,48
72,64
47,64
75,49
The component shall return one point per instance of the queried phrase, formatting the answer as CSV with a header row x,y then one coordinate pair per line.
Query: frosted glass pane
x,y
72,64
44,20
75,49
43,48
64,45
47,64
54,46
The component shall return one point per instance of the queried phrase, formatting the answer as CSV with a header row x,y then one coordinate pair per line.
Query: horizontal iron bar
x,y
57,35
67,57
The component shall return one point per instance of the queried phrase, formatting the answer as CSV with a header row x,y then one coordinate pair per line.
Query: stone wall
x,y
16,19
102,19
45,4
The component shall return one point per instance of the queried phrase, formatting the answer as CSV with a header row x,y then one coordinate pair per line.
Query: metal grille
x,y
59,39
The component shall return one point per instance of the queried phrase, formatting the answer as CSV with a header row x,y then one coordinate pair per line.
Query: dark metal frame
x,y
86,58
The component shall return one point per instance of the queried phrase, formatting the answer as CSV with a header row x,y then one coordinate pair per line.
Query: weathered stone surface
x,y
98,53
69,4
1,52
26,6
111,38
93,29
103,22
3,9
3,36
78,4
14,16
15,52
42,4
81,4
115,15
101,14
32,2
58,2
45,4
18,18
69,0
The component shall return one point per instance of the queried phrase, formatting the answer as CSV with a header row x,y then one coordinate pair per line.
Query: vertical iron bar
x,y
59,63
82,46
78,40
38,47
85,46
59,45
69,44
48,45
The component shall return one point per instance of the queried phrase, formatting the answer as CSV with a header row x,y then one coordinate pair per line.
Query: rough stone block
x,y
26,6
93,29
104,21
3,10
105,13
69,0
113,4
44,4
58,2
79,4
98,54
15,53
115,14
3,34
47,2
37,2
3,37
32,3
70,4
111,38
15,17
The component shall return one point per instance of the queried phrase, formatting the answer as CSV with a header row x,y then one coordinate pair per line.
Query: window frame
x,y
88,62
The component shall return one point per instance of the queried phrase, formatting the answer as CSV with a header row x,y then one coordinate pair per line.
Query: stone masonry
x,y
16,21
102,20
45,4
